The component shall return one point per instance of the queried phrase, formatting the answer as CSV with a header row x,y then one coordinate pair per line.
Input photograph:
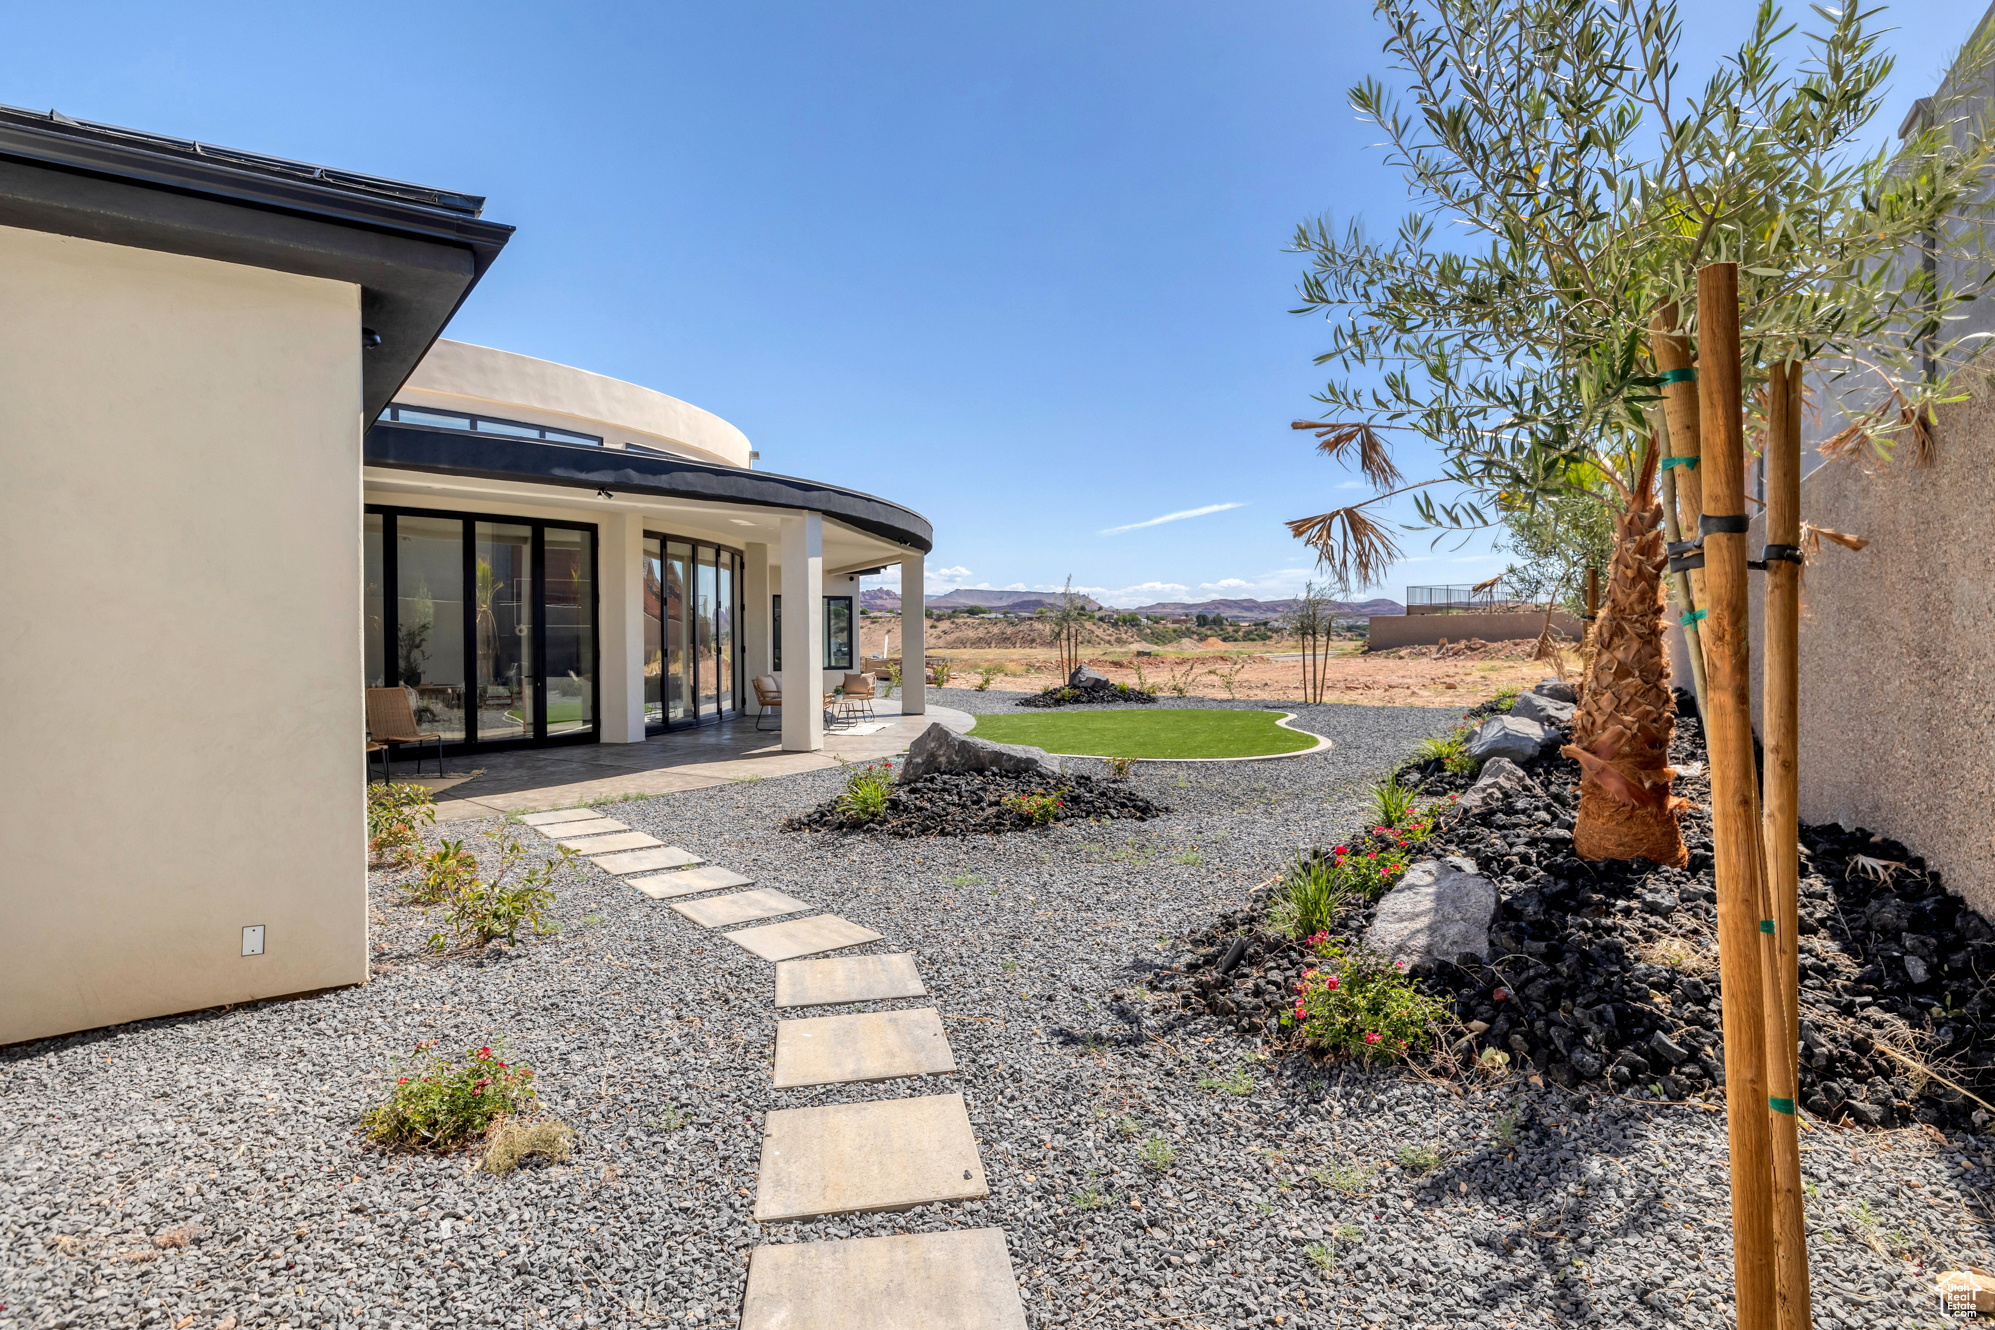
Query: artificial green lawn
x,y
1167,732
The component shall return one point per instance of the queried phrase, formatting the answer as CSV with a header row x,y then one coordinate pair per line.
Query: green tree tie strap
x,y
1690,462
1766,925
1780,1105
1691,618
1688,374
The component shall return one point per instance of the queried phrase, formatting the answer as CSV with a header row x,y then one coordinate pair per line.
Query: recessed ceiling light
x,y
740,521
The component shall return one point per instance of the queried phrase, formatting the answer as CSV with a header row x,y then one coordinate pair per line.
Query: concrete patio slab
x,y
555,815
646,861
820,983
802,937
720,911
687,882
911,1281
599,826
871,1046
618,840
888,1154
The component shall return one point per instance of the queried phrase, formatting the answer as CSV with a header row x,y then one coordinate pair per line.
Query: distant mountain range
x,y
884,601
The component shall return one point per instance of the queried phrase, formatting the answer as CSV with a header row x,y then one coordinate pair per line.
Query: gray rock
x,y
1668,1049
1083,676
1544,710
1501,781
1439,909
1508,736
1916,969
940,749
1556,691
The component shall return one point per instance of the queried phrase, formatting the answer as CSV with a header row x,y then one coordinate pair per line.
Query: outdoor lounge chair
x,y
769,697
859,695
391,721
376,746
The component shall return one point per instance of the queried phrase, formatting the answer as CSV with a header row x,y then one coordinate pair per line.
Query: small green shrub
x,y
396,815
1120,767
1360,1005
1392,803
986,673
1451,752
866,791
893,678
1158,1153
1321,1257
1506,697
1238,1083
444,871
442,1104
1419,1160
480,911
1039,809
940,670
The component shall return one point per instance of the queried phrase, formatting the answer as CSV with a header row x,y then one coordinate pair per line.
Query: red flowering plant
x,y
867,790
1038,809
1354,1003
445,1104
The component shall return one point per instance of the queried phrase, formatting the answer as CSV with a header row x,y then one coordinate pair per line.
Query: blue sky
x,y
1017,266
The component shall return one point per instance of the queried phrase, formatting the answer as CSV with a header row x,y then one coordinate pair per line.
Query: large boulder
x,y
1086,677
1545,710
1556,689
1501,781
1440,909
939,749
1513,737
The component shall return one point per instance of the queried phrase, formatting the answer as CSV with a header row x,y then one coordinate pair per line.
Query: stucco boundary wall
x,y
1425,630
1897,651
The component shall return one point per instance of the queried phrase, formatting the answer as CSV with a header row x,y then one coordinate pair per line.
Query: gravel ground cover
x,y
205,1171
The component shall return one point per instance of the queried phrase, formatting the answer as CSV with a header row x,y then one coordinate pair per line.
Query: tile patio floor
x,y
530,779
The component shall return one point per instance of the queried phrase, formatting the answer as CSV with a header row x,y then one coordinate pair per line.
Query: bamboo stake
x,y
1686,599
1779,730
1671,352
1735,828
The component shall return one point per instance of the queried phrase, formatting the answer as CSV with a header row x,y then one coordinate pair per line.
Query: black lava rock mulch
x,y
1093,692
948,804
1604,975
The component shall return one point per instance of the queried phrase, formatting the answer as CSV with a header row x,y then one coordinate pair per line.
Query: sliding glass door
x,y
691,609
491,626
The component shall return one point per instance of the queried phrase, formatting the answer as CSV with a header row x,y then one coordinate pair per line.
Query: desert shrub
x,y
893,678
1451,752
941,669
445,870
481,911
444,1104
986,673
1120,767
396,815
866,790
1392,803
1311,895
512,1141
1506,698
1039,809
1358,1004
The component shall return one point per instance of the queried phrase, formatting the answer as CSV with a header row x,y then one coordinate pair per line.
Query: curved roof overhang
x,y
626,471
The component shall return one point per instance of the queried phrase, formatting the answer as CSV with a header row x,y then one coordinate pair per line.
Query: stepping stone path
x,y
877,1155
720,911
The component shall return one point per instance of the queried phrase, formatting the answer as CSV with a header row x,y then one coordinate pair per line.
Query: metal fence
x,y
1463,600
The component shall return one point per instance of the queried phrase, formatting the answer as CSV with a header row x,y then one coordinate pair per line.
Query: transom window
x,y
518,429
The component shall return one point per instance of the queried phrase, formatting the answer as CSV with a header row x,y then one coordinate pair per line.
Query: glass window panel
x,y
704,625
484,426
416,415
568,436
569,559
429,611
678,659
654,631
838,632
373,602
724,634
502,564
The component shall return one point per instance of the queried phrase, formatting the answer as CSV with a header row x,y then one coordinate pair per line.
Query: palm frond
x,y
1335,441
1351,546
1812,537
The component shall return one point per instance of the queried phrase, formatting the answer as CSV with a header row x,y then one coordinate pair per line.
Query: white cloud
x,y
1350,484
951,574
1172,517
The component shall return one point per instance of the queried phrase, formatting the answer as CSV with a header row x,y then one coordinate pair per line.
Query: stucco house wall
x,y
180,525
1897,651
1407,630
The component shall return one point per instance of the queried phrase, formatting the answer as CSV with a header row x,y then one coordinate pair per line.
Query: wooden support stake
x,y
1686,598
1780,825
1671,352
1735,823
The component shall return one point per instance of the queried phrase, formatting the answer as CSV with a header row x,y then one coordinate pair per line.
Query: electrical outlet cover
x,y
252,940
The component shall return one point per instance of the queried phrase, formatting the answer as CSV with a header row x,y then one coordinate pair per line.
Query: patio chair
x,y
376,746
859,694
769,698
391,721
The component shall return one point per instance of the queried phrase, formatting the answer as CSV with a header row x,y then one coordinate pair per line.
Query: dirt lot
x,y
1455,676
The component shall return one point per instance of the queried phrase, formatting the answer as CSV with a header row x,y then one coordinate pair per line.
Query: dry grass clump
x,y
1680,954
512,1141
176,1237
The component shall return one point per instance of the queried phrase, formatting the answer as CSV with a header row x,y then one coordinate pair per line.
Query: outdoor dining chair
x,y
391,721
859,695
768,697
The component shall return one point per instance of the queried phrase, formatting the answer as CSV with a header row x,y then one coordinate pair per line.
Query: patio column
x,y
757,652
620,688
914,656
803,633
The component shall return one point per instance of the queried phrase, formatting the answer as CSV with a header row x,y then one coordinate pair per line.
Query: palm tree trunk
x,y
1621,731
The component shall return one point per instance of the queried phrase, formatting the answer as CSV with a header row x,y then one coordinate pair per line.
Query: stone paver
x,y
620,840
720,911
913,1281
646,861
833,979
555,815
665,886
885,1155
869,1046
802,937
599,826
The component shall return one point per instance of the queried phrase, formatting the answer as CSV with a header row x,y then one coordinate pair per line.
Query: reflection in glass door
x,y
502,572
692,615
429,620
678,659
704,625
654,632
568,670
723,634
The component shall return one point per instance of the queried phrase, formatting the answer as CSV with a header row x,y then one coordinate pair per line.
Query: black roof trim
x,y
579,466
